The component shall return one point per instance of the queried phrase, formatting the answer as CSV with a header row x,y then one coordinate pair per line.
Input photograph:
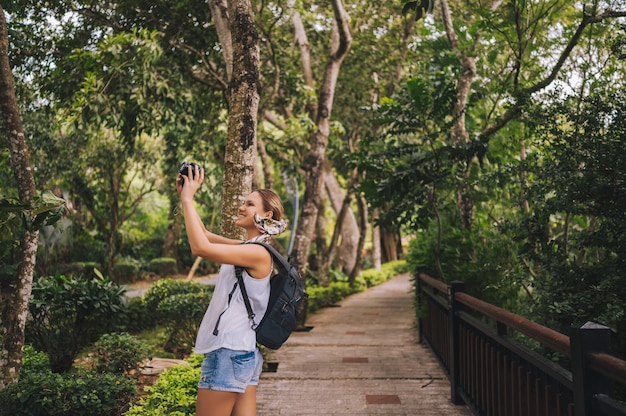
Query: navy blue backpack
x,y
286,294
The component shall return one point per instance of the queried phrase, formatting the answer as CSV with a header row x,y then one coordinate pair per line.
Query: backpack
x,y
286,293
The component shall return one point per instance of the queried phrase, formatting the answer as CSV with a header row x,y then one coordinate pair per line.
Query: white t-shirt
x,y
234,330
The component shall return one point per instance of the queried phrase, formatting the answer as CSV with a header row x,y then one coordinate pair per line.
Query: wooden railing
x,y
495,375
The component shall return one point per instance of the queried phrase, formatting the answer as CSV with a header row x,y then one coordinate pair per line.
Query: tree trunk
x,y
389,244
14,296
460,136
313,165
320,254
220,13
362,208
243,105
376,258
347,250
170,243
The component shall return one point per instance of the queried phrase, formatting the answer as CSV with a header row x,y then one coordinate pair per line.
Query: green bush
x,y
80,268
119,353
338,291
34,361
165,288
182,314
136,317
68,313
126,271
173,394
163,266
87,248
47,393
320,297
179,306
373,277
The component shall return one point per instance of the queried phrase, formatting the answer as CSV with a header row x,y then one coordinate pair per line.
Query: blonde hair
x,y
271,202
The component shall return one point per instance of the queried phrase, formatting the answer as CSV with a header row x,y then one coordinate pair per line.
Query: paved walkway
x,y
360,358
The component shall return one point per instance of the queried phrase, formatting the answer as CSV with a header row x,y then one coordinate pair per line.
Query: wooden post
x,y
453,327
589,338
419,286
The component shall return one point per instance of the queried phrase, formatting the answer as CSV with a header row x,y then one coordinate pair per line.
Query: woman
x,y
232,361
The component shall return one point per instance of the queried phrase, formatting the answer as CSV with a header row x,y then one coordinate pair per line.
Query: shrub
x,y
126,271
319,297
119,353
338,291
179,305
174,393
34,361
68,313
136,317
47,393
81,268
480,257
165,288
163,266
182,314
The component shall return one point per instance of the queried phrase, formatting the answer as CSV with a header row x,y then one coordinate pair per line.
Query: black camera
x,y
183,170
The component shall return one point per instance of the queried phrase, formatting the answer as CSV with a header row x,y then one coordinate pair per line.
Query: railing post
x,y
453,328
589,338
419,298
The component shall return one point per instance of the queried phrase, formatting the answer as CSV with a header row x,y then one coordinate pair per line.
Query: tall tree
x,y
341,40
243,104
15,294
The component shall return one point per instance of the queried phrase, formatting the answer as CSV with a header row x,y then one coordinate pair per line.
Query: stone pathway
x,y
360,358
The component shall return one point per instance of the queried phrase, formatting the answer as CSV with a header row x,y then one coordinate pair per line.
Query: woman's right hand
x,y
187,185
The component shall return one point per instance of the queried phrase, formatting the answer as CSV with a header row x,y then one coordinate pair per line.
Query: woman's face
x,y
253,204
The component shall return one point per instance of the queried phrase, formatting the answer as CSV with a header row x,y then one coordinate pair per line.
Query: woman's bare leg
x,y
245,405
215,403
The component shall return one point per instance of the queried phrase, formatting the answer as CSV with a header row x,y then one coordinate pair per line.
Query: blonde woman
x,y
232,361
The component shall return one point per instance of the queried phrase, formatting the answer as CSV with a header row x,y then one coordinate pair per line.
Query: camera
x,y
183,170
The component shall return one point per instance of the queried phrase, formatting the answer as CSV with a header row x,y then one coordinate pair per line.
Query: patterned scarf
x,y
269,226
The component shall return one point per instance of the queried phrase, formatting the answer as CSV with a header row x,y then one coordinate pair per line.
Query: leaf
x,y
98,273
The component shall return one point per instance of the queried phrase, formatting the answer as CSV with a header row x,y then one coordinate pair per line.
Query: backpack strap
x,y
276,256
244,292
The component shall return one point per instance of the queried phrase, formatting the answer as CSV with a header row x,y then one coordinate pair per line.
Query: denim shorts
x,y
228,370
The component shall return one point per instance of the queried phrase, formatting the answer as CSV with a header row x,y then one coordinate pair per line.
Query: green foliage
x,y
136,317
164,288
373,277
46,209
174,393
16,218
480,257
126,270
34,361
410,164
181,314
163,266
86,269
179,305
575,237
119,353
323,296
68,313
39,391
